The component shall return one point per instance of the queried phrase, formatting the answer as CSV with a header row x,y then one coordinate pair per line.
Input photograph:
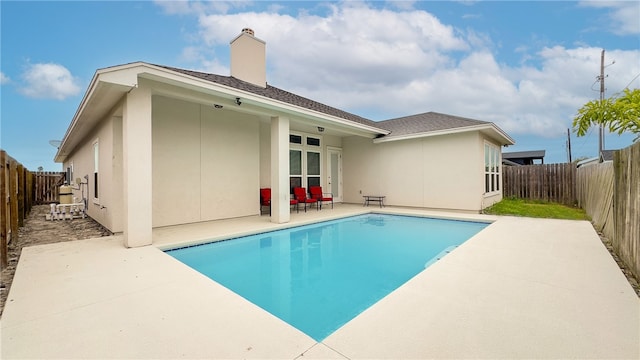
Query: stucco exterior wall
x,y
106,208
206,163
265,154
441,172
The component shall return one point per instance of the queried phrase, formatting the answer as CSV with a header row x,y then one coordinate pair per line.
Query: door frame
x,y
327,176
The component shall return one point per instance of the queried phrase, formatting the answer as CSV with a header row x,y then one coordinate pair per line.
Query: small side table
x,y
375,198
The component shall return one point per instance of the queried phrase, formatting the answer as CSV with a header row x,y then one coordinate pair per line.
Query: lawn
x,y
537,209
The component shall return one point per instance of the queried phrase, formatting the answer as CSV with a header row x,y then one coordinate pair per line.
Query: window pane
x,y
295,162
486,157
313,163
294,182
313,141
295,139
95,185
313,181
497,182
486,183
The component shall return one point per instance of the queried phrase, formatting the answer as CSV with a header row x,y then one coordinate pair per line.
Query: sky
x,y
526,66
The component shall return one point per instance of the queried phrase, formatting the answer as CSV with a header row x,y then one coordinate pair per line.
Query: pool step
x,y
440,255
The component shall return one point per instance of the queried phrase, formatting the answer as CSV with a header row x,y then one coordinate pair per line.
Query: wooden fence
x,y
548,182
610,194
46,186
20,189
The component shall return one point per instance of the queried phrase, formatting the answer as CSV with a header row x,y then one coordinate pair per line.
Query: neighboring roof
x,y
587,162
509,163
275,93
533,154
607,155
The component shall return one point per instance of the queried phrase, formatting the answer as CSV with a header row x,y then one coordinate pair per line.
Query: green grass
x,y
537,209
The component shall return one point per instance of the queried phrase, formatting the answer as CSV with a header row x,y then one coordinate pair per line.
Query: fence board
x,y
47,186
19,190
548,182
596,195
610,194
4,210
626,241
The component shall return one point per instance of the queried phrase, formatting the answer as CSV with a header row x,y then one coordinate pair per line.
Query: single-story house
x,y
153,145
531,157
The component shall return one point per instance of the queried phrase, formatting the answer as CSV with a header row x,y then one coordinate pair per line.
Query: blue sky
x,y
527,66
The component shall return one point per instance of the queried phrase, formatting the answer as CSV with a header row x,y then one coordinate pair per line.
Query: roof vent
x,y
248,31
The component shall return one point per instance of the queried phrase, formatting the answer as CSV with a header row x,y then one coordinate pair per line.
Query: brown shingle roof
x,y
414,124
275,93
426,122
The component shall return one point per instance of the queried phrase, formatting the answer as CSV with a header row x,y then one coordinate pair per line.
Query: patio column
x,y
136,168
280,170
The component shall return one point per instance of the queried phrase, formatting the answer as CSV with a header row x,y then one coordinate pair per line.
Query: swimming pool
x,y
318,277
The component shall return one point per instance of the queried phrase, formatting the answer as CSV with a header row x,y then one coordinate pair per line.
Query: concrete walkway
x,y
521,288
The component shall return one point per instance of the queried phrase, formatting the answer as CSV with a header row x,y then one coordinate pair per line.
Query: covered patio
x,y
521,288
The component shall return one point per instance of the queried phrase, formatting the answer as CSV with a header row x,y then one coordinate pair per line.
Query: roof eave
x,y
501,137
249,98
106,80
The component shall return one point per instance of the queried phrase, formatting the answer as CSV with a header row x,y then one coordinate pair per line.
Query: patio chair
x,y
300,195
316,193
294,202
265,199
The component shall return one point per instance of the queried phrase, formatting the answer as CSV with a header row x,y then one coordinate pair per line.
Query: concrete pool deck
x,y
521,288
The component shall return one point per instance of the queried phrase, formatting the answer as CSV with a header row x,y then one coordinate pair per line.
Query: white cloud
x,y
4,79
623,17
49,81
186,7
381,64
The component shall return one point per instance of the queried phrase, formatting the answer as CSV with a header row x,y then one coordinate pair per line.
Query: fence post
x,y
4,210
13,196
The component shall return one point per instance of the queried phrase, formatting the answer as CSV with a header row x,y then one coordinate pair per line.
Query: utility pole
x,y
569,144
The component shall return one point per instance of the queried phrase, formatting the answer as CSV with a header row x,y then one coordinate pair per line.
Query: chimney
x,y
248,58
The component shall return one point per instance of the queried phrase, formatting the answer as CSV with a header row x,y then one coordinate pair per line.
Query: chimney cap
x,y
248,31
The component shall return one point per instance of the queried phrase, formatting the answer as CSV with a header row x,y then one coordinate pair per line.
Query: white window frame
x,y
305,148
492,169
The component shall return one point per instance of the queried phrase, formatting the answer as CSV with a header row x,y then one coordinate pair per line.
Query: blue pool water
x,y
318,277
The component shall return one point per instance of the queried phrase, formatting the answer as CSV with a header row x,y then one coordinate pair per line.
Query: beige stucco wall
x,y
107,208
206,163
442,172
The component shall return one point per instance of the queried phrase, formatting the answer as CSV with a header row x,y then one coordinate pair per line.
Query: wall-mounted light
x,y
320,129
238,101
217,106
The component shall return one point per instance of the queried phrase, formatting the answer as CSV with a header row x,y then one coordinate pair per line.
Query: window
x,y
304,161
311,141
69,174
491,168
295,169
96,157
313,169
295,139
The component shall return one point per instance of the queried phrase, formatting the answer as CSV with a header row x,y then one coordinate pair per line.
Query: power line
x,y
630,82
